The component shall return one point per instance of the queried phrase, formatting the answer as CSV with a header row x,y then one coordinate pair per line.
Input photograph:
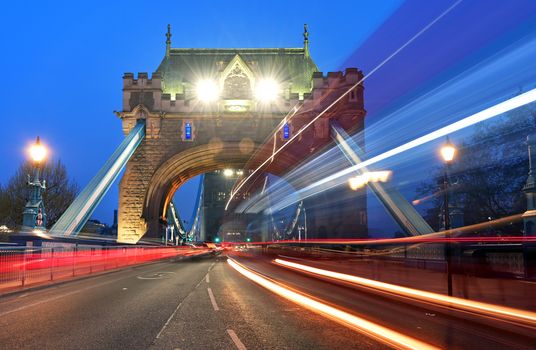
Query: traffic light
x,y
217,239
248,239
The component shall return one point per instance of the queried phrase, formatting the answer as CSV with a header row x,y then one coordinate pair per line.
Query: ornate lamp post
x,y
33,216
448,151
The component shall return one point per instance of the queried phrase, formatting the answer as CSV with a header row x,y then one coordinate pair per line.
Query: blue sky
x,y
63,61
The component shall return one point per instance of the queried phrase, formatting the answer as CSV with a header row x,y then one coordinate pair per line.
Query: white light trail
x,y
372,176
496,311
380,333
241,184
488,113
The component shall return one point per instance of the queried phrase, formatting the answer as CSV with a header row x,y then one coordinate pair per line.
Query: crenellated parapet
x,y
150,92
338,82
143,80
142,91
342,92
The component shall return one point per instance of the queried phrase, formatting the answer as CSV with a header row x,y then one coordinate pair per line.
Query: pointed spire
x,y
168,40
305,40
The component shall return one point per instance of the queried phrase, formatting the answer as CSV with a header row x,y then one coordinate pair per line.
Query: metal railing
x,y
25,266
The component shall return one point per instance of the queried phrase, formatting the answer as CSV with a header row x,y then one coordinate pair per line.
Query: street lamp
x,y
33,216
38,152
448,152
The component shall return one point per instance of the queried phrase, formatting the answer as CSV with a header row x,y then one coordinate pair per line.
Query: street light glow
x,y
207,90
228,172
267,90
448,151
38,152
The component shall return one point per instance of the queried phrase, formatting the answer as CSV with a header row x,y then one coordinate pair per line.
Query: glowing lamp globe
x,y
267,90
37,151
448,152
207,90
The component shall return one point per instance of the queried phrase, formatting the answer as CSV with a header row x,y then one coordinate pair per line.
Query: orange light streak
x,y
495,311
380,333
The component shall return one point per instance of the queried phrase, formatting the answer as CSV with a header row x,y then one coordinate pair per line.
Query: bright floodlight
x,y
228,172
207,90
267,90
448,151
37,151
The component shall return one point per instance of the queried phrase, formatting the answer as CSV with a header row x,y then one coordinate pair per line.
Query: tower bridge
x,y
210,109
285,175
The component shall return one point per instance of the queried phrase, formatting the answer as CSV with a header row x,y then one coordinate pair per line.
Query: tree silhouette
x,y
59,194
489,172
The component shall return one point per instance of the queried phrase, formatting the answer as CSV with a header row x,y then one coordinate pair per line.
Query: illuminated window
x,y
286,131
221,196
188,131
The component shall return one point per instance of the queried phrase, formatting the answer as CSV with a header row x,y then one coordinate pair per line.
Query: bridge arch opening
x,y
183,166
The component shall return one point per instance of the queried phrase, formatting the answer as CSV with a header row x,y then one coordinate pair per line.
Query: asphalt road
x,y
205,304
166,306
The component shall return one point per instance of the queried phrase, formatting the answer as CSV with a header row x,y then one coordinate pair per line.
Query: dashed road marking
x,y
213,300
176,309
236,340
207,279
156,276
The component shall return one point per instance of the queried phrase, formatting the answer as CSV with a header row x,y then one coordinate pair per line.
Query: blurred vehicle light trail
x,y
510,314
488,113
380,333
359,181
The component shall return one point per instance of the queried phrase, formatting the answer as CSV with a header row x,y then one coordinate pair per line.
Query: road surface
x,y
205,304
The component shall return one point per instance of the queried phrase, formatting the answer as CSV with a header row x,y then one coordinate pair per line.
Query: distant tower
x,y
529,217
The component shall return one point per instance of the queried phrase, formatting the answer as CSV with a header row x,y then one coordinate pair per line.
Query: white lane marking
x,y
177,309
125,288
236,340
213,300
207,279
156,276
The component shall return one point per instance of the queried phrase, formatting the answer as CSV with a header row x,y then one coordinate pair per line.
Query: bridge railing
x,y
21,267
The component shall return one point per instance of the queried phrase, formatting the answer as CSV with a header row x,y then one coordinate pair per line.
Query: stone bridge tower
x,y
209,109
